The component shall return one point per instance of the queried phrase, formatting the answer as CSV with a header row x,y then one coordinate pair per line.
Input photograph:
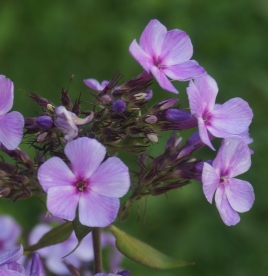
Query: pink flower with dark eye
x,y
223,121
232,195
165,54
93,185
11,124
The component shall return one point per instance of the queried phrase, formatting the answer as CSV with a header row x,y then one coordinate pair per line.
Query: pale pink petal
x,y
231,118
85,155
233,157
62,201
54,172
163,81
11,255
240,194
96,210
11,129
152,38
95,85
6,94
111,178
177,48
203,133
142,57
184,71
210,180
197,106
227,213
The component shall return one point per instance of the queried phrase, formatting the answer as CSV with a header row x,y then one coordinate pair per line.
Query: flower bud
x,y
151,119
149,95
152,137
44,122
4,192
119,106
41,137
177,115
106,99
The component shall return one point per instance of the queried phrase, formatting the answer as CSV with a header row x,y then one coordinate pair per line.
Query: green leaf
x,y
80,231
56,235
143,253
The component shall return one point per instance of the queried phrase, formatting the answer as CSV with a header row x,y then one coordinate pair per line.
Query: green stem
x,y
96,237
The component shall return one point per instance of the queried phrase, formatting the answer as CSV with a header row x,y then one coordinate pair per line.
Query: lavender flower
x,y
9,265
9,233
67,122
222,121
95,85
53,254
165,53
91,184
232,195
11,124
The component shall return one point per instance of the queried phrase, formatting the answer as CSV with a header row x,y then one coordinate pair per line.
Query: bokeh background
x,y
42,43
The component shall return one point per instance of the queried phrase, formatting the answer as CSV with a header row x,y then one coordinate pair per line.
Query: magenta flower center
x,y
158,62
223,180
81,185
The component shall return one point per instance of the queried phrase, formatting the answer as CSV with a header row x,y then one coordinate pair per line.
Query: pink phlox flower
x,y
67,122
94,185
222,121
232,195
11,124
9,265
95,85
165,54
10,232
53,254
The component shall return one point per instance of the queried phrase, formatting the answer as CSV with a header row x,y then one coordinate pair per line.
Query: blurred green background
x,y
42,43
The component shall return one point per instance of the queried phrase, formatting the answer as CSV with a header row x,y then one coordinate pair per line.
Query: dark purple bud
x,y
4,192
123,273
44,122
173,142
119,106
177,115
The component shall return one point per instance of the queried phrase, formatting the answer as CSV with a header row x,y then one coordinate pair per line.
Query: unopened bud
x,y
177,115
152,137
140,96
41,137
151,119
149,95
4,192
106,99
119,106
44,122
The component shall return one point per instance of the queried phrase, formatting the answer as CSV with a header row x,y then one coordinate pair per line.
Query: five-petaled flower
x,y
91,184
223,121
11,124
232,195
166,53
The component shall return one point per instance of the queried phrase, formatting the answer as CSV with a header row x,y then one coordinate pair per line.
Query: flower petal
x,y
203,133
240,194
7,94
62,201
11,255
152,38
195,100
96,210
54,172
5,272
111,179
210,180
86,155
163,81
233,157
231,118
95,85
142,57
184,71
177,48
36,266
11,129
227,213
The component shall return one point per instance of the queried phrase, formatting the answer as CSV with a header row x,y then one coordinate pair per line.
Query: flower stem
x,y
96,237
